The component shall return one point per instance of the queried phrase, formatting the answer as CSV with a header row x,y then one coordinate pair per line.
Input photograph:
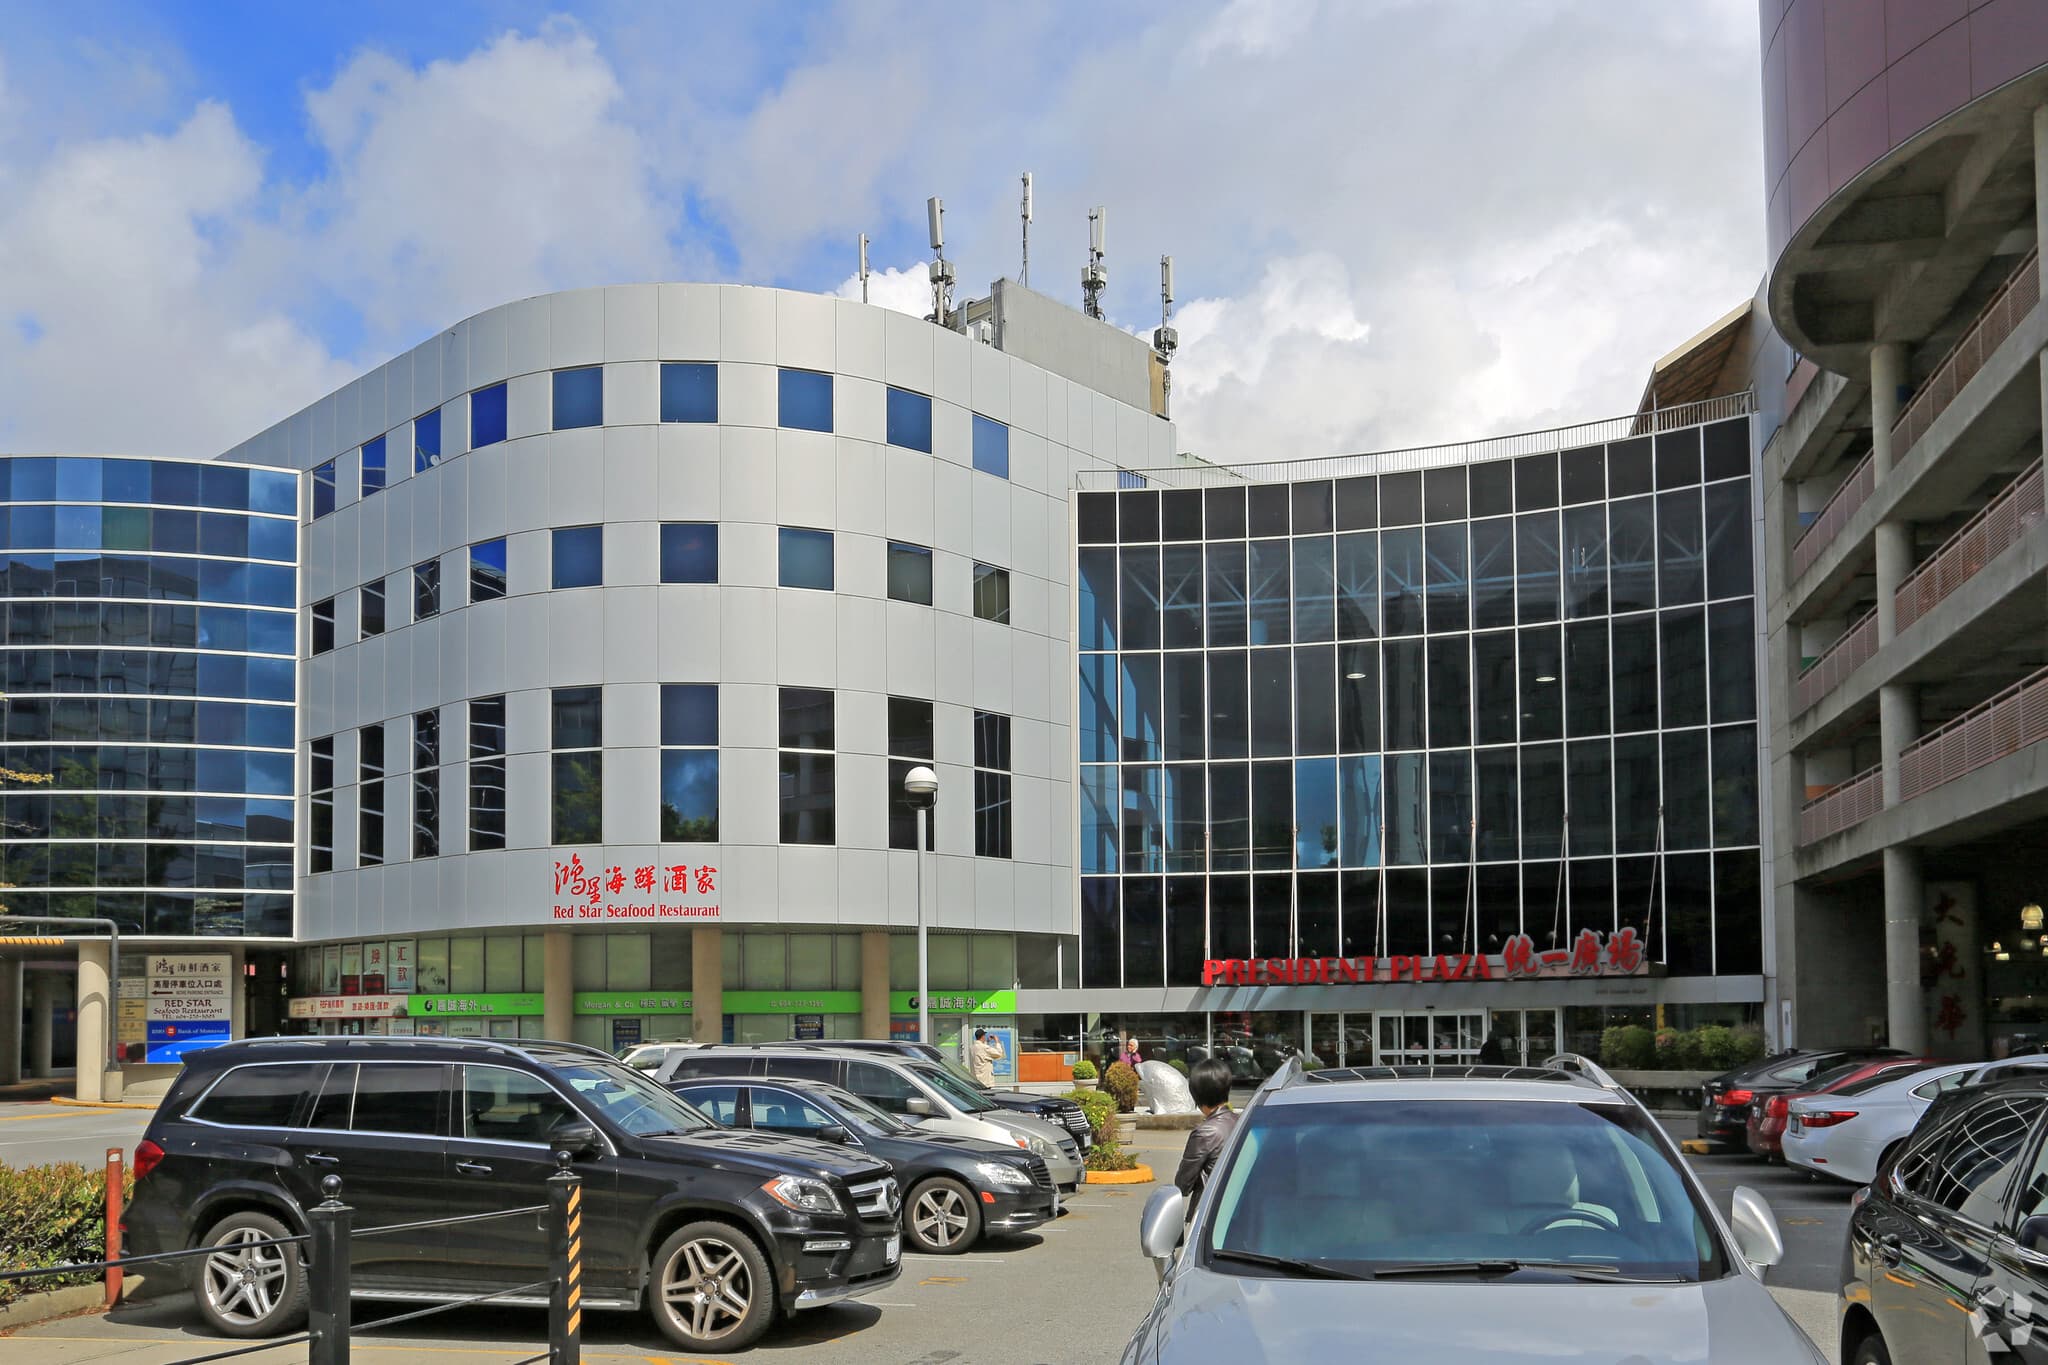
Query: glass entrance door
x,y
1428,1037
1526,1037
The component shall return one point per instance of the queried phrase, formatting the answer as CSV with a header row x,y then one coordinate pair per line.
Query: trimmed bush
x,y
1121,1080
51,1215
1629,1047
1110,1156
1178,1065
1100,1107
1084,1070
1710,1047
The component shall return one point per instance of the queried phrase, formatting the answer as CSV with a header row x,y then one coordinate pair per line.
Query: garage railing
x,y
1839,807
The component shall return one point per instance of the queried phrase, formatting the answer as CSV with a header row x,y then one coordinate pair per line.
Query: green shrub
x,y
1121,1080
1628,1047
1110,1156
1084,1070
1100,1107
1178,1065
51,1215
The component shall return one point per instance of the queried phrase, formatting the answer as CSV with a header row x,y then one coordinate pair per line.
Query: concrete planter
x,y
1665,1090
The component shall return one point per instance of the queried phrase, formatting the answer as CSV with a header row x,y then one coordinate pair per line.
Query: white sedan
x,y
1847,1133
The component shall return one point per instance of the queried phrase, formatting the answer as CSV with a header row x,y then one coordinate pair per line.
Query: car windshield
x,y
630,1100
1822,1080
961,1095
1369,1186
1881,1078
961,1074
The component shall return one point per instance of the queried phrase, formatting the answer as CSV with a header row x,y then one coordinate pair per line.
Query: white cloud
x,y
908,290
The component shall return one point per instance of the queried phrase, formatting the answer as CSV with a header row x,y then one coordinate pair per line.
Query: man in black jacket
x,y
1209,1087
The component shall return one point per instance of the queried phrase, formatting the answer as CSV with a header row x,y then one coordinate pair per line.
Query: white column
x,y
42,1025
1887,373
1903,900
1898,725
95,1019
11,1003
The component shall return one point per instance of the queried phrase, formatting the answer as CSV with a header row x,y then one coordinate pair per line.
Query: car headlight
x,y
802,1194
996,1173
1044,1148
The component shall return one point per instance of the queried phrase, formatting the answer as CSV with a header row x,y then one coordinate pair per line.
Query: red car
x,y
1765,1129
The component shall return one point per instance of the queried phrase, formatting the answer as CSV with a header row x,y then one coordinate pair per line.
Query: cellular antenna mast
x,y
1166,340
863,267
1024,275
942,269
1094,276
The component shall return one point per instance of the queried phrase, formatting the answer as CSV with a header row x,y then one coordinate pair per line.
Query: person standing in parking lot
x,y
983,1056
1209,1087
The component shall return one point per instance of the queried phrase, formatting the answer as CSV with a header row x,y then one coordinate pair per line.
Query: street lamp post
x,y
922,786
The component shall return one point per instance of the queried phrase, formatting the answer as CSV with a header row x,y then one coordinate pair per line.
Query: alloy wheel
x,y
939,1215
707,1285
243,1282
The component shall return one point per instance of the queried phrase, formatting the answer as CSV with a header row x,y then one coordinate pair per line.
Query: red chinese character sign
x,y
1590,954
602,890
1951,970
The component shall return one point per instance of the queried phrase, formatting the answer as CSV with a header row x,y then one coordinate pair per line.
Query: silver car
x,y
1481,1215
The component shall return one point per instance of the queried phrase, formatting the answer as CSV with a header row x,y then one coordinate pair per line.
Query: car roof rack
x,y
2007,1069
1573,1063
1565,1066
516,1046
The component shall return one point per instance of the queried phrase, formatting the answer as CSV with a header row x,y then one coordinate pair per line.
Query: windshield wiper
x,y
1509,1265
1310,1269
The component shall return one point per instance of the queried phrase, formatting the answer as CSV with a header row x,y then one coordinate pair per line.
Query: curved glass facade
x,y
149,654
1423,712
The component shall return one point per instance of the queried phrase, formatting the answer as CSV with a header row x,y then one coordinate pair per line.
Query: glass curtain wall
x,y
1422,711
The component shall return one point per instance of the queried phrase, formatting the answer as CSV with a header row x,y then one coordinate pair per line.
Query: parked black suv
x,y
714,1230
1947,1254
954,1188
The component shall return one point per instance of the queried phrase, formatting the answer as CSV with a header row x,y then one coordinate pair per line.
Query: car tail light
x,y
1778,1106
1733,1099
1829,1118
147,1155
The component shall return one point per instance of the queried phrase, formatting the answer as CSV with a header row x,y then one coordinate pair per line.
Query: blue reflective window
x,y
221,582
991,446
426,441
170,529
1358,810
1315,812
125,481
78,528
270,727
271,632
323,490
805,400
273,538
272,680
689,393
487,417
1100,797
270,585
373,465
223,675
579,556
35,480
1098,708
223,628
223,533
270,774
273,490
78,480
689,796
224,486
487,570
579,397
806,559
909,420
223,722
33,528
689,713
689,552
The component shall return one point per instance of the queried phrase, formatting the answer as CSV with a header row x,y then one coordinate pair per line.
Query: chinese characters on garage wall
x,y
645,892
1591,954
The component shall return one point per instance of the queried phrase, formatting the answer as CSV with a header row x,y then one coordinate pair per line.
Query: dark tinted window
x,y
579,556
503,1105
689,552
579,398
785,1111
689,393
805,1068
992,447
909,420
805,400
396,1098
720,1103
487,417
880,1086
713,1064
257,1096
337,1093
1976,1163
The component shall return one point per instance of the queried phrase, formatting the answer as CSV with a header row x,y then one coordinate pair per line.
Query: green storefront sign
x,y
474,1006
956,1002
732,1002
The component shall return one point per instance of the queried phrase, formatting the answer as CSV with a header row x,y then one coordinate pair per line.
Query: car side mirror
x,y
2033,1234
833,1132
576,1139
919,1106
1756,1229
1159,1226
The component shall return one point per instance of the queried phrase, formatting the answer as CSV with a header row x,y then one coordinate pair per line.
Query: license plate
x,y
1055,1201
894,1250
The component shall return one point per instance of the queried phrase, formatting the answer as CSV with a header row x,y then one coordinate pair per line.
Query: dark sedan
x,y
955,1190
1724,1106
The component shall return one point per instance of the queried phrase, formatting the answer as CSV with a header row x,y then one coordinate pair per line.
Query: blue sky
x,y
1394,222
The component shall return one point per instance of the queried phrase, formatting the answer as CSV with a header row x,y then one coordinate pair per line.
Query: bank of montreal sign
x,y
639,893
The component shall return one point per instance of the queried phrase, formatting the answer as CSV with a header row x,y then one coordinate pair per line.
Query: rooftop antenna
x,y
942,269
1166,340
1024,275
1094,276
863,267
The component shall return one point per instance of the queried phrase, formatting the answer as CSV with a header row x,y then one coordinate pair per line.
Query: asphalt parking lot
x,y
38,1134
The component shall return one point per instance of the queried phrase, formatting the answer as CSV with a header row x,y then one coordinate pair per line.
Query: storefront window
x,y
588,969
764,965
625,965
994,962
810,961
433,968
504,962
